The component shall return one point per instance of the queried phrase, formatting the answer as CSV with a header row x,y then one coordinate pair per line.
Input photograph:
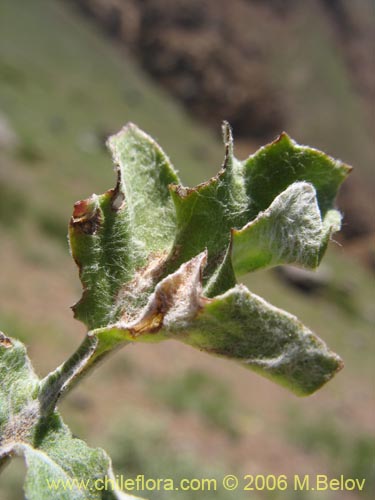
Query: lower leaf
x,y
59,466
237,325
241,326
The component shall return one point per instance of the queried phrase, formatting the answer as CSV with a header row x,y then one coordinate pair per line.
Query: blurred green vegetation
x,y
324,108
12,487
352,455
145,450
198,392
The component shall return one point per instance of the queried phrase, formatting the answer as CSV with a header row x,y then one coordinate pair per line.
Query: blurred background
x,y
72,73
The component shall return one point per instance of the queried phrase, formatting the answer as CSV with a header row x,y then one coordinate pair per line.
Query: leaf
x,y
51,453
291,230
18,392
127,228
241,326
274,167
152,253
57,460
207,214
237,325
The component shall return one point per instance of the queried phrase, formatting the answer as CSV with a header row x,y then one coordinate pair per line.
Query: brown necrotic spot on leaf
x,y
228,143
132,297
80,209
175,302
5,341
20,427
86,215
148,325
181,191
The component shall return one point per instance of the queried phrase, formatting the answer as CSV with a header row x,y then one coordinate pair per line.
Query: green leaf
x,y
63,467
128,228
18,392
241,326
152,252
237,325
207,214
274,167
290,231
59,466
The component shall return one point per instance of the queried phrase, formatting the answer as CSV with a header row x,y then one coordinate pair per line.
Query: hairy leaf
x,y
155,258
237,325
19,388
121,238
59,466
242,326
290,231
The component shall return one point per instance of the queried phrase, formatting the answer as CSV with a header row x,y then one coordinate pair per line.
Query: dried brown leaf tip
x,y
86,215
176,301
5,341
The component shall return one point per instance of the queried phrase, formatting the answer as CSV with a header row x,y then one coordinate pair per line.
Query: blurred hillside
x,y
64,87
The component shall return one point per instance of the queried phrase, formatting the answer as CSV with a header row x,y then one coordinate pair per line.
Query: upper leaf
x,y
207,214
128,228
274,167
152,252
291,230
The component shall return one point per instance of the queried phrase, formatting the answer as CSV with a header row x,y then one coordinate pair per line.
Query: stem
x,y
60,381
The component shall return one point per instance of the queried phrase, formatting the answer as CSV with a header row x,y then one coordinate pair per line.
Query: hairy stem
x,y
60,381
